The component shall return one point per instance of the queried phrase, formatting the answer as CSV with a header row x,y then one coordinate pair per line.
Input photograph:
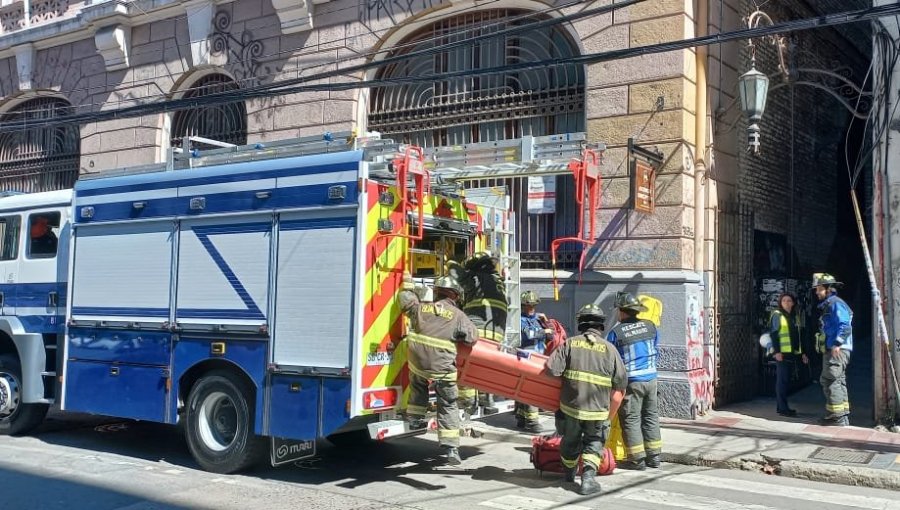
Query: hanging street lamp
x,y
754,87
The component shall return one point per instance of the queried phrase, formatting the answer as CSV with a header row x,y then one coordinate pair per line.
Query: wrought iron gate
x,y
42,158
225,122
549,99
737,364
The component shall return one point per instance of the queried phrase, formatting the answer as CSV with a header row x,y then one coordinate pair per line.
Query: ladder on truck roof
x,y
438,169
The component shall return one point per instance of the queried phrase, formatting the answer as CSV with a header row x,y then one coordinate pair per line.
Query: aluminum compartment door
x,y
314,312
122,272
223,273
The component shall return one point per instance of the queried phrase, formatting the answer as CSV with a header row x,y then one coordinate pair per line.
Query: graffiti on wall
x,y
700,365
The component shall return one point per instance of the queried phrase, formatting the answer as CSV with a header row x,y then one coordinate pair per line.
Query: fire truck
x,y
249,292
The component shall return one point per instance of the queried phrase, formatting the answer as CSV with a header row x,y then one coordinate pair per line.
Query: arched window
x,y
224,122
474,108
42,158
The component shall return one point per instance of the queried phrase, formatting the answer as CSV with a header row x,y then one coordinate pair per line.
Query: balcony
x,y
20,14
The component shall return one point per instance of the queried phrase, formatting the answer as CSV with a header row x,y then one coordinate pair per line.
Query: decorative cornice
x,y
25,65
296,15
114,44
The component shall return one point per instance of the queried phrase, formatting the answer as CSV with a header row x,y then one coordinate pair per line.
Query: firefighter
x,y
487,306
637,341
485,303
835,342
435,328
593,384
536,334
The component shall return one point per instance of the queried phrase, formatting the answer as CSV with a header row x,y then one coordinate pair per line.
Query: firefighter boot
x,y
570,474
452,456
635,465
589,484
653,461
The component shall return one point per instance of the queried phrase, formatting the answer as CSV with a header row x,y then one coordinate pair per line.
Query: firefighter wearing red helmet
x,y
435,329
593,384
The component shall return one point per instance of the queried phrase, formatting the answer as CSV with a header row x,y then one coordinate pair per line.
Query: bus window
x,y
43,239
9,237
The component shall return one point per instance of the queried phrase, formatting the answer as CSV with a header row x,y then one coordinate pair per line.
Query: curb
x,y
813,471
844,475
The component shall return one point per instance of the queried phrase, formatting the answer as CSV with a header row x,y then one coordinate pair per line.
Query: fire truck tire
x,y
16,417
219,429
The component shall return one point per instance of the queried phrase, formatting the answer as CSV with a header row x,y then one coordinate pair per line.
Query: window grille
x,y
226,122
43,158
477,108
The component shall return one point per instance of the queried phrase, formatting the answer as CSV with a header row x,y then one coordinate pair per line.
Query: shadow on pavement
x,y
19,490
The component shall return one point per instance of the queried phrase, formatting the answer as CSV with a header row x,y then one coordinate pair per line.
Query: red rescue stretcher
x,y
521,376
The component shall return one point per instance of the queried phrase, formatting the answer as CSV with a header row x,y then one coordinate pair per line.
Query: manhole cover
x,y
842,455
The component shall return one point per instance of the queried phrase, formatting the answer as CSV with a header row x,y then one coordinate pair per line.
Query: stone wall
x,y
247,44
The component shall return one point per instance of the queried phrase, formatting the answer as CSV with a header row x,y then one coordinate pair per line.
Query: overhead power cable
x,y
302,84
478,35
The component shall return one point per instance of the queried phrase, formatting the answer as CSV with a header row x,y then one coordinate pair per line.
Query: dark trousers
x,y
782,384
583,439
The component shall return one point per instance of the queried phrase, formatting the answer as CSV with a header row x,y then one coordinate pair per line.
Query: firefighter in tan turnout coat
x,y
435,329
593,385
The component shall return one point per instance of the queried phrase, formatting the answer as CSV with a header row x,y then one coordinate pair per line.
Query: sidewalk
x,y
786,447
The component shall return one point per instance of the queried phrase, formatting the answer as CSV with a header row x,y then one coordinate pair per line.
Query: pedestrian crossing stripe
x,y
512,502
674,499
800,493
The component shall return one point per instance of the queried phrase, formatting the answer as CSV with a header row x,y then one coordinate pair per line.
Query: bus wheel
x,y
219,427
16,417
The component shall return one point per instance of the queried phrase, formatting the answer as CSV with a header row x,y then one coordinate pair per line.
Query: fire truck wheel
x,y
16,417
219,427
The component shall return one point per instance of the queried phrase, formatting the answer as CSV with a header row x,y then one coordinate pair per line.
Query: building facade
x,y
695,251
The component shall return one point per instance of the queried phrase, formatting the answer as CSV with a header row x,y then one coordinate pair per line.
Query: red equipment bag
x,y
545,456
559,336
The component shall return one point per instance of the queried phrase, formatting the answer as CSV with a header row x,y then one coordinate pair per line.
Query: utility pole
x,y
886,234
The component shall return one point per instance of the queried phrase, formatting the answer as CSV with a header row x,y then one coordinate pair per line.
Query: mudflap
x,y
285,451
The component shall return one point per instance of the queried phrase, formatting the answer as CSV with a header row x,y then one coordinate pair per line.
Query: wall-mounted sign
x,y
542,194
644,164
644,186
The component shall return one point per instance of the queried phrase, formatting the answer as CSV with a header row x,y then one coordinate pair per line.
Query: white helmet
x,y
765,341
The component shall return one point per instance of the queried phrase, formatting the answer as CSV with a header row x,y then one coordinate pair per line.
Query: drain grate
x,y
842,455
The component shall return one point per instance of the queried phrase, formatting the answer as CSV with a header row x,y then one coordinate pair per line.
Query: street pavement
x,y
751,436
105,464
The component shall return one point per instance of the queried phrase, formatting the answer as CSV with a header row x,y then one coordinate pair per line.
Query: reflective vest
x,y
784,333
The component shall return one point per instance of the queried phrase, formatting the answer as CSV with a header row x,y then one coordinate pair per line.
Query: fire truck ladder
x,y
438,169
527,157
